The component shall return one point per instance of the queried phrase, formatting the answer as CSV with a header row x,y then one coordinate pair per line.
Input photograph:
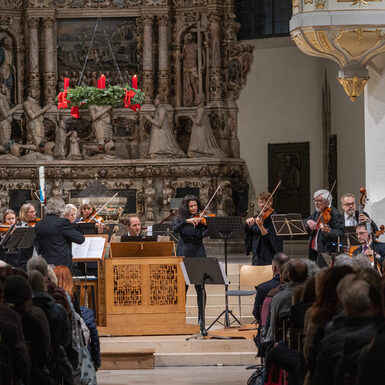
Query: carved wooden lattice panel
x,y
127,285
163,284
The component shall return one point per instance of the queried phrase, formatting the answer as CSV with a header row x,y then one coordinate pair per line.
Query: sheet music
x,y
92,247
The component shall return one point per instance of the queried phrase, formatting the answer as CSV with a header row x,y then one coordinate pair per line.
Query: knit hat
x,y
16,289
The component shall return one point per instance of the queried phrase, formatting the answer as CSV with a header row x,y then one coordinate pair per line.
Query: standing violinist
x,y
191,233
261,237
325,225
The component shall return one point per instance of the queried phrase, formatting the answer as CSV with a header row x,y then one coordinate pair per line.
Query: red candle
x,y
66,83
102,82
134,80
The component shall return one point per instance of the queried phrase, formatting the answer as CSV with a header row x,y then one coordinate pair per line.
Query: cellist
x,y
261,237
325,225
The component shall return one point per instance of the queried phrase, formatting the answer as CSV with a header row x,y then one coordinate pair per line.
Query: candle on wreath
x,y
66,83
134,81
102,82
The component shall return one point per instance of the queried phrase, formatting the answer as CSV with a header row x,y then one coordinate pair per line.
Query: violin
x,y
202,217
92,218
33,223
263,215
4,227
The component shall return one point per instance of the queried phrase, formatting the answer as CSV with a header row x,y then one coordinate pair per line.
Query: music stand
x,y
203,271
349,238
18,237
288,225
225,228
165,229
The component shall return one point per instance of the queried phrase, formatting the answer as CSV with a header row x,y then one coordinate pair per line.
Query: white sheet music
x,y
92,247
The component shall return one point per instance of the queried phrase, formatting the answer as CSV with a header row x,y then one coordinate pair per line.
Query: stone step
x,y
217,358
247,318
219,299
139,358
212,310
168,344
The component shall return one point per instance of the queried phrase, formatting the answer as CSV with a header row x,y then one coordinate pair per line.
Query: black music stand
x,y
225,228
18,237
165,229
203,271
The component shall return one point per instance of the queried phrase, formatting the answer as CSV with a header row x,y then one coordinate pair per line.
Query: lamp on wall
x,y
349,32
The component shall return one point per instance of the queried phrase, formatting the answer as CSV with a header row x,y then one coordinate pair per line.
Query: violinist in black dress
x,y
191,233
261,237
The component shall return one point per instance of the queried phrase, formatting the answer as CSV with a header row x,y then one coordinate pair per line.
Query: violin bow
x,y
270,198
102,207
208,204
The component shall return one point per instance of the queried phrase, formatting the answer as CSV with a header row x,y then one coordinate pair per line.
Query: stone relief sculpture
x,y
162,141
167,194
35,116
150,199
7,65
202,140
6,113
101,123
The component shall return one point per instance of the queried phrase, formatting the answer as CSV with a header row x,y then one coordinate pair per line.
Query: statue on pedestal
x,y
190,70
202,140
162,141
35,119
74,152
5,116
101,123
60,150
150,199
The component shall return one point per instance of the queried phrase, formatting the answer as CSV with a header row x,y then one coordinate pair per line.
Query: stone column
x,y
33,75
374,137
215,57
49,65
148,75
163,74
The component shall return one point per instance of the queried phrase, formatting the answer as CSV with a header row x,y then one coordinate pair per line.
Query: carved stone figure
x,y
167,194
101,122
74,152
190,70
61,135
35,119
5,116
150,199
162,141
202,140
7,66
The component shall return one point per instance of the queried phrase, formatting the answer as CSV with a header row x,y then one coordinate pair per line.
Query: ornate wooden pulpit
x,y
143,290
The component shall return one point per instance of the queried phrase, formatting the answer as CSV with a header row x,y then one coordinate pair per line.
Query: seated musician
x,y
324,234
368,247
261,237
133,225
27,215
352,217
9,219
87,215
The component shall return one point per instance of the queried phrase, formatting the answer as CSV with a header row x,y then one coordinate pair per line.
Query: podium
x,y
142,291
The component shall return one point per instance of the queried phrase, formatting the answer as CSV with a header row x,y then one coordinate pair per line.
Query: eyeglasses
x,y
318,200
349,204
361,233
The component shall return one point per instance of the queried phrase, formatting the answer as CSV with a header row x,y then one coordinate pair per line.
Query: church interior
x,y
191,192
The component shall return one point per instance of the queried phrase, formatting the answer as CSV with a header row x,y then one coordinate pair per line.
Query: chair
x,y
249,278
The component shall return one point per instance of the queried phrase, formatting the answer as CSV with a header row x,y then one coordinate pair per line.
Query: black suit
x,y
357,214
262,291
54,236
326,241
379,248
